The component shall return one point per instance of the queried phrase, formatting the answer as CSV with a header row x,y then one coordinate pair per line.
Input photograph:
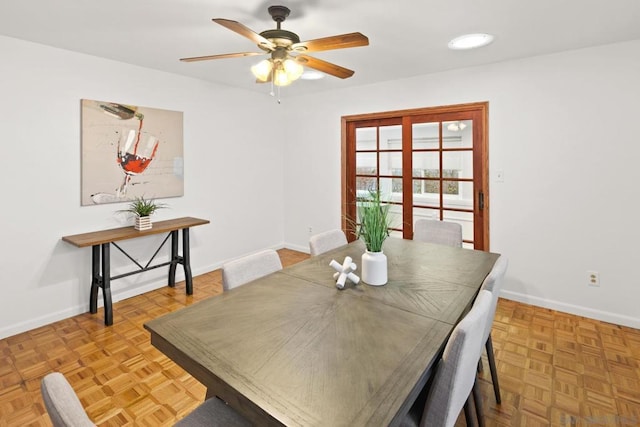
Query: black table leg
x,y
175,258
96,279
186,261
106,285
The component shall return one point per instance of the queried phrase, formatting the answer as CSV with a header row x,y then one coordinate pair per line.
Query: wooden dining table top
x,y
291,349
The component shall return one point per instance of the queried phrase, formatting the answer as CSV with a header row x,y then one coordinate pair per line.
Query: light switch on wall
x,y
499,176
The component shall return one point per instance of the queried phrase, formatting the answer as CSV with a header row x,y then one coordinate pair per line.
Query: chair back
x,y
251,267
324,242
62,403
213,412
456,371
493,283
438,232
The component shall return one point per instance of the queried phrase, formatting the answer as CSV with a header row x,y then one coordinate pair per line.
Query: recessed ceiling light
x,y
312,75
470,41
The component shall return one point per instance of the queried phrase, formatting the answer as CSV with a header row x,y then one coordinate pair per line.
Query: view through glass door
x,y
428,163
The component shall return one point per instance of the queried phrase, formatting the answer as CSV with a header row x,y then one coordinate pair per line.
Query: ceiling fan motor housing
x,y
279,13
281,37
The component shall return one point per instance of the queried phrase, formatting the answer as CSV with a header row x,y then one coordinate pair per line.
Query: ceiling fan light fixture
x,y
280,77
470,41
262,70
293,69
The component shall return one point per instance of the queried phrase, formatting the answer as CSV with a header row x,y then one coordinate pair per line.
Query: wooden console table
x,y
100,242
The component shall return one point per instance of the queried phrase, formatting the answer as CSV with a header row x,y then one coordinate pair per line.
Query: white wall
x,y
45,279
562,128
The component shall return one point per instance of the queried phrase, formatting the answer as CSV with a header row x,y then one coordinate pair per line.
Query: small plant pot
x,y
374,268
143,223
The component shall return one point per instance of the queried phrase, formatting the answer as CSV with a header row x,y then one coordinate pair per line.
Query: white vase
x,y
374,268
143,223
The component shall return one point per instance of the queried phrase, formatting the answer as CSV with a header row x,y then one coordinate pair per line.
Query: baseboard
x,y
605,316
116,295
298,248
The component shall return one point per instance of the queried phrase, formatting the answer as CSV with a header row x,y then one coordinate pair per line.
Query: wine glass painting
x,y
130,151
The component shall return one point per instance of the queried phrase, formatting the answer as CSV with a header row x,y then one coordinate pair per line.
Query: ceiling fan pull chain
x,y
272,93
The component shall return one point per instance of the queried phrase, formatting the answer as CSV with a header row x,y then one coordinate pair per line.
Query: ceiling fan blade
x,y
324,66
245,32
334,42
221,56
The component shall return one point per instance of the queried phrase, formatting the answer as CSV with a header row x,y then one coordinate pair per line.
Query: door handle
x,y
481,200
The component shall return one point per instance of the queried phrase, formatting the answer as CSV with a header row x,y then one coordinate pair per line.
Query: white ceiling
x,y
407,37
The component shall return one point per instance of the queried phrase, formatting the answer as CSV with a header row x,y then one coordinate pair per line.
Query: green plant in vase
x,y
143,209
373,229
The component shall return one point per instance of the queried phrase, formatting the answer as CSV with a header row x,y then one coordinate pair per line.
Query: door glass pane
x,y
366,139
458,194
457,164
426,135
395,217
395,233
465,219
426,164
391,163
366,164
364,185
386,190
422,213
457,134
426,192
391,137
389,193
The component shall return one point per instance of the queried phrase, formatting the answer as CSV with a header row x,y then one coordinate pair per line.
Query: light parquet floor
x,y
555,369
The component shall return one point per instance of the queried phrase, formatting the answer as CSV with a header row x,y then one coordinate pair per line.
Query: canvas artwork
x,y
130,151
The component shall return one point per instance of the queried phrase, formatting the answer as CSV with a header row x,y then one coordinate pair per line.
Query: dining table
x,y
292,349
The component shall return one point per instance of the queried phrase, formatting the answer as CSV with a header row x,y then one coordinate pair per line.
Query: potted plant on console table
x,y
142,209
373,230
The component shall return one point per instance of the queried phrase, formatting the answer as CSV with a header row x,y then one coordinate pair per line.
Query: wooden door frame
x,y
479,112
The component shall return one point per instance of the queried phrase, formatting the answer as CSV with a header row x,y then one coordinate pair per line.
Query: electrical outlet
x,y
310,230
593,278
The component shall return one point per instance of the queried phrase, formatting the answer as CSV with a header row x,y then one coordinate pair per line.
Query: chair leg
x,y
477,398
494,371
480,367
468,411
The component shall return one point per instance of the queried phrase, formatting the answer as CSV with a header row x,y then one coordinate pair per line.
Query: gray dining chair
x,y
493,283
65,410
213,412
438,232
251,267
455,375
324,242
62,403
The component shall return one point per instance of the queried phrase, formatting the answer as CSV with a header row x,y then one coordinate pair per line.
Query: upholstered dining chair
x,y
213,412
455,374
438,232
65,410
62,403
324,242
243,270
493,283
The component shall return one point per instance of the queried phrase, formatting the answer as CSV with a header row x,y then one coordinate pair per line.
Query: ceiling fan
x,y
286,51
